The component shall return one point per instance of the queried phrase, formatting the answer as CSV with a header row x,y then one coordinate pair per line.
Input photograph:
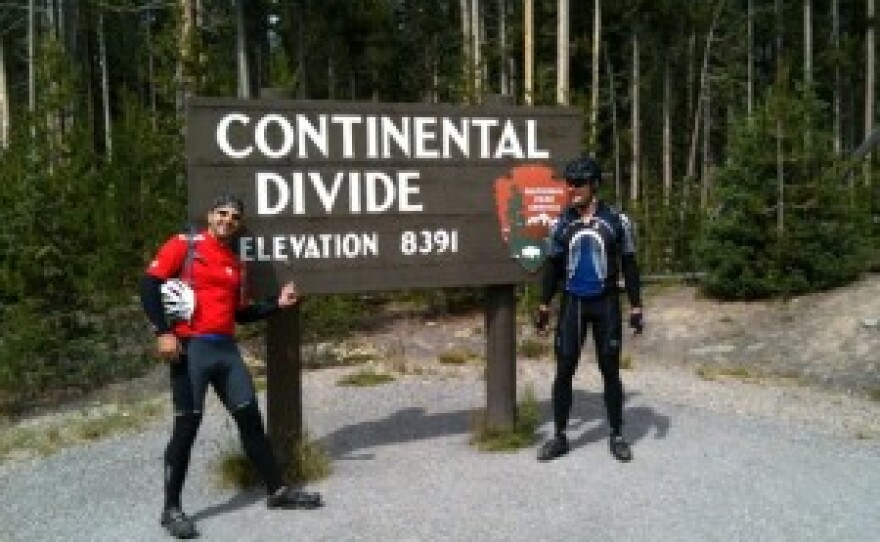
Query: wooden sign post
x,y
284,383
500,357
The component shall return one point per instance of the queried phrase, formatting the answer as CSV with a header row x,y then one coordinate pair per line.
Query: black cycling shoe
x,y
288,498
620,448
553,448
178,524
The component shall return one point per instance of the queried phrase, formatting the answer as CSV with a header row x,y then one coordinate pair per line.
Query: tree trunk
x,y
780,164
301,88
476,30
185,59
750,55
612,95
704,75
706,184
244,85
594,98
562,56
528,52
32,78
808,42
667,134
4,101
467,48
869,85
808,64
835,100
105,88
636,142
503,73
151,75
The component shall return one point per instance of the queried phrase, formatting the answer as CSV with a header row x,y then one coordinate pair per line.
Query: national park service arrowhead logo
x,y
528,203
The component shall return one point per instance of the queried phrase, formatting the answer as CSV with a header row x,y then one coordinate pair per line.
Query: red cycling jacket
x,y
216,276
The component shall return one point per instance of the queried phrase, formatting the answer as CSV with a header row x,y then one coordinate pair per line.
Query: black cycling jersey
x,y
586,257
587,254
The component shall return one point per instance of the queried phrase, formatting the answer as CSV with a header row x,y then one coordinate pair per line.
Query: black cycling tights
x,y
575,318
177,456
256,445
253,440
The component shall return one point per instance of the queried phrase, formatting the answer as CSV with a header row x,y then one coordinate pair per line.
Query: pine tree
x,y
744,253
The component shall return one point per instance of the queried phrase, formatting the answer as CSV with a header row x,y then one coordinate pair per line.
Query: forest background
x,y
737,133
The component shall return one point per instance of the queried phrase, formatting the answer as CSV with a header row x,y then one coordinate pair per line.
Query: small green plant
x,y
310,463
716,372
533,348
874,394
458,357
365,377
522,434
626,362
236,471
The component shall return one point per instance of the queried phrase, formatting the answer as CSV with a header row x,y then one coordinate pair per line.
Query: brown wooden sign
x,y
352,197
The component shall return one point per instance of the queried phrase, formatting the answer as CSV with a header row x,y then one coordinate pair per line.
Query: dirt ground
x,y
829,340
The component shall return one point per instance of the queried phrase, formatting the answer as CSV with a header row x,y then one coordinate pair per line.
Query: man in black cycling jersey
x,y
589,245
200,346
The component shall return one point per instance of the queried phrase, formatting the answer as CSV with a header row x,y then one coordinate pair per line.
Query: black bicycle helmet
x,y
582,170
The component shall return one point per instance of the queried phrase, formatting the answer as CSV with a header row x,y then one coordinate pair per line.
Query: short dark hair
x,y
228,199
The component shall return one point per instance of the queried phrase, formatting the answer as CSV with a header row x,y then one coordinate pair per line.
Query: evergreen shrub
x,y
764,240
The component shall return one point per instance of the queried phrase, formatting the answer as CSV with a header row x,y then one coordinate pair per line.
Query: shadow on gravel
x,y
589,409
240,500
410,424
406,425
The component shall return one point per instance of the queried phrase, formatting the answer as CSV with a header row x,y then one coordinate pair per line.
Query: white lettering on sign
x,y
277,136
286,139
308,246
222,136
424,242
312,246
368,192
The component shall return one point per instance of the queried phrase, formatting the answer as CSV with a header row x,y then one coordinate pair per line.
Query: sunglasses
x,y
226,213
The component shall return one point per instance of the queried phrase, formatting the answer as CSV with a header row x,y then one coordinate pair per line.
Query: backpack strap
x,y
192,236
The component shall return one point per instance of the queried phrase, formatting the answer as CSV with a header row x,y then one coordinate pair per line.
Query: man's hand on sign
x,y
289,296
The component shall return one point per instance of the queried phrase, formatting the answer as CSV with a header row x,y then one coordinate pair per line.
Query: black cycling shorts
x,y
215,361
577,314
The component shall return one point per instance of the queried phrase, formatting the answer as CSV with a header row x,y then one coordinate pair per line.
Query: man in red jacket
x,y
200,346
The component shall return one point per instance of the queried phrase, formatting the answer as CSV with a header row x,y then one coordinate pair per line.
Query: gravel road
x,y
713,461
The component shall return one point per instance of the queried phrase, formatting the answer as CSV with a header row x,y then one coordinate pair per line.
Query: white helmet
x,y
178,299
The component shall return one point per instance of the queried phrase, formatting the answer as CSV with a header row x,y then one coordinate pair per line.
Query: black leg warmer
x,y
177,454
256,445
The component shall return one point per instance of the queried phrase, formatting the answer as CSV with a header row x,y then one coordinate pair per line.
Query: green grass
x,y
458,357
45,440
365,377
716,372
533,348
874,394
522,434
310,463
747,374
